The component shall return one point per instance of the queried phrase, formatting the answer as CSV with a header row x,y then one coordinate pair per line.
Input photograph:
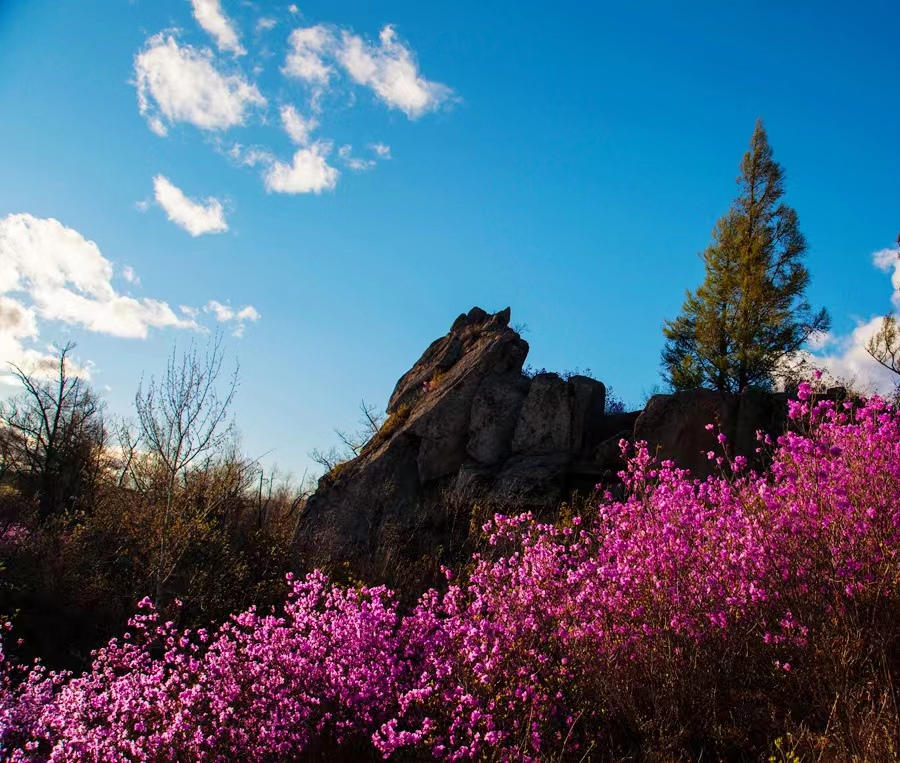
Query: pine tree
x,y
750,311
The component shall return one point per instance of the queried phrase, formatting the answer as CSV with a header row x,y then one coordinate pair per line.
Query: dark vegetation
x,y
94,516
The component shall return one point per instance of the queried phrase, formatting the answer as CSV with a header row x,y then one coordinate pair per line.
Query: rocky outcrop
x,y
467,428
674,426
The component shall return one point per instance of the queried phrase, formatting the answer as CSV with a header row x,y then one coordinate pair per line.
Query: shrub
x,y
744,616
393,422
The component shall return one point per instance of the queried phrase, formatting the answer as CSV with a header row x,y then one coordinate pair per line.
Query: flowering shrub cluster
x,y
688,617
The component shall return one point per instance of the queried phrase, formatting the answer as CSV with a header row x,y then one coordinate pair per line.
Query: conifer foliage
x,y
750,312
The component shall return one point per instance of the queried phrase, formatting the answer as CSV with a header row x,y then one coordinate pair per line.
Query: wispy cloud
x,y
210,16
296,125
388,68
392,73
179,83
130,276
228,315
355,163
844,358
195,216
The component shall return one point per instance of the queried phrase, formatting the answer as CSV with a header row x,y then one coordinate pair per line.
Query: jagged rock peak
x,y
478,317
476,330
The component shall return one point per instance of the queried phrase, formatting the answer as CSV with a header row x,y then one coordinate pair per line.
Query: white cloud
x,y
844,358
227,314
49,272
296,125
889,259
309,172
355,163
306,58
222,312
209,15
196,217
390,70
293,9
178,83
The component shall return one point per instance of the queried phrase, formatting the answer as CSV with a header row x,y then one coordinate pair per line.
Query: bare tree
x,y
182,420
53,436
370,422
328,459
884,345
277,493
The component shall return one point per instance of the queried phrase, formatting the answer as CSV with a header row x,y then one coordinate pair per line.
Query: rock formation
x,y
468,429
674,426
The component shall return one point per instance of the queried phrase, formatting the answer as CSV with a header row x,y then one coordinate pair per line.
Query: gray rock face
x,y
587,401
530,480
674,426
495,412
546,422
465,422
441,416
559,416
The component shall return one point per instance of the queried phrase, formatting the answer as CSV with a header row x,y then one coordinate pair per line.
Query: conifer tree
x,y
750,312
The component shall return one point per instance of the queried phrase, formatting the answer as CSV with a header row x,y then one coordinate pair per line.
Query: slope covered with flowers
x,y
741,615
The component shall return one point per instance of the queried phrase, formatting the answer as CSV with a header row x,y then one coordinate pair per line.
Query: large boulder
x,y
495,412
587,400
444,353
675,426
545,424
441,416
559,416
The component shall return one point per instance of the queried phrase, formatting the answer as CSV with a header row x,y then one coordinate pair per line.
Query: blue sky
x,y
336,182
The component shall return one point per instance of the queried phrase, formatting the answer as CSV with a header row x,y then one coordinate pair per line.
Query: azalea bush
x,y
746,615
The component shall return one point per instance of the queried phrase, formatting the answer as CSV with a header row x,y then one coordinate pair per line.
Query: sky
x,y
330,184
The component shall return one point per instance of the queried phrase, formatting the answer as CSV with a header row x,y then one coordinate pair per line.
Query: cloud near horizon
x,y
51,273
196,217
844,358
